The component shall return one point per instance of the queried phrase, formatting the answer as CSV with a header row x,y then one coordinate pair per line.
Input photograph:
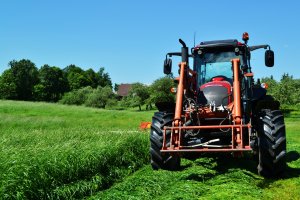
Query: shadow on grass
x,y
224,163
289,172
228,162
215,164
292,172
199,177
250,164
287,113
184,167
292,156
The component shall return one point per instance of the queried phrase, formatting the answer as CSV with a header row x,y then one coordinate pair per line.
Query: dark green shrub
x,y
160,91
113,104
77,97
99,97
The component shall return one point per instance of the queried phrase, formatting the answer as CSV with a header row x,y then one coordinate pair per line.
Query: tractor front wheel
x,y
158,160
271,144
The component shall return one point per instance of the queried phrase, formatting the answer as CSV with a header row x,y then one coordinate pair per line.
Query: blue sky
x,y
130,38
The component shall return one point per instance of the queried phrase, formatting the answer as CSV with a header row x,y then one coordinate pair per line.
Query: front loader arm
x,y
180,90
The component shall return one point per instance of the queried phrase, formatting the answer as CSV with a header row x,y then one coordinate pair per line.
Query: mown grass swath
x,y
52,151
217,176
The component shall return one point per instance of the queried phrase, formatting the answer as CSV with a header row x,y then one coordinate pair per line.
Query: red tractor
x,y
219,108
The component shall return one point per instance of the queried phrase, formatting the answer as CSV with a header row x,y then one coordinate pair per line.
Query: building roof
x,y
123,89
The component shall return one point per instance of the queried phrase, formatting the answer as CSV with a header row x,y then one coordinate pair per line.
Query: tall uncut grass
x,y
50,151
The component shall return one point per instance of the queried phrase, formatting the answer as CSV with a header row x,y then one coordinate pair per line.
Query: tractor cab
x,y
213,64
214,60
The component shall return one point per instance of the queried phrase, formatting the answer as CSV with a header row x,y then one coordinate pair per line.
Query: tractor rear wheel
x,y
271,144
162,161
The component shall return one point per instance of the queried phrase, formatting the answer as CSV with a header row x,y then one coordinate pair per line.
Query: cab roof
x,y
218,43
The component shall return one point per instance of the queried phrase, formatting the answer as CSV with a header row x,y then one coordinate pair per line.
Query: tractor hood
x,y
216,92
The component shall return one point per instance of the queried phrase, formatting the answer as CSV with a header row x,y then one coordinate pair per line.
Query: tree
x,y
8,87
77,97
138,94
99,97
272,85
160,91
52,84
93,78
39,92
104,78
135,101
25,76
76,77
288,90
116,87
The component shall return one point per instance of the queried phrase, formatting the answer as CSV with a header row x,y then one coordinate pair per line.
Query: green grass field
x,y
51,151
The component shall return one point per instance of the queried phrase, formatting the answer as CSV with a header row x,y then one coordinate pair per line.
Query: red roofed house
x,y
123,90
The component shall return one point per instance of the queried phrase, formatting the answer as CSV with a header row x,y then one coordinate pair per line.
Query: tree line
x,y
139,95
73,85
24,81
286,91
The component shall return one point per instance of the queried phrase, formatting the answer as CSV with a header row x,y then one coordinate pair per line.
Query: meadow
x,y
51,151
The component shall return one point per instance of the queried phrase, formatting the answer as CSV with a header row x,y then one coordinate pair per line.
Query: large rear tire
x,y
158,160
271,144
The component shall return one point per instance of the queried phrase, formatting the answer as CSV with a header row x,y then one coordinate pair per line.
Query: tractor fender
x,y
258,93
165,106
266,102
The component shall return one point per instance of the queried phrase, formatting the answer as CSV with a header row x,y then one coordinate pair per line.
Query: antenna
x,y
194,38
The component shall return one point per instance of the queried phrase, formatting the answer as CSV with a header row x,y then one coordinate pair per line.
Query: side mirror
x,y
168,66
269,58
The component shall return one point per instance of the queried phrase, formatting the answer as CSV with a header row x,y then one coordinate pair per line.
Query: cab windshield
x,y
214,64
